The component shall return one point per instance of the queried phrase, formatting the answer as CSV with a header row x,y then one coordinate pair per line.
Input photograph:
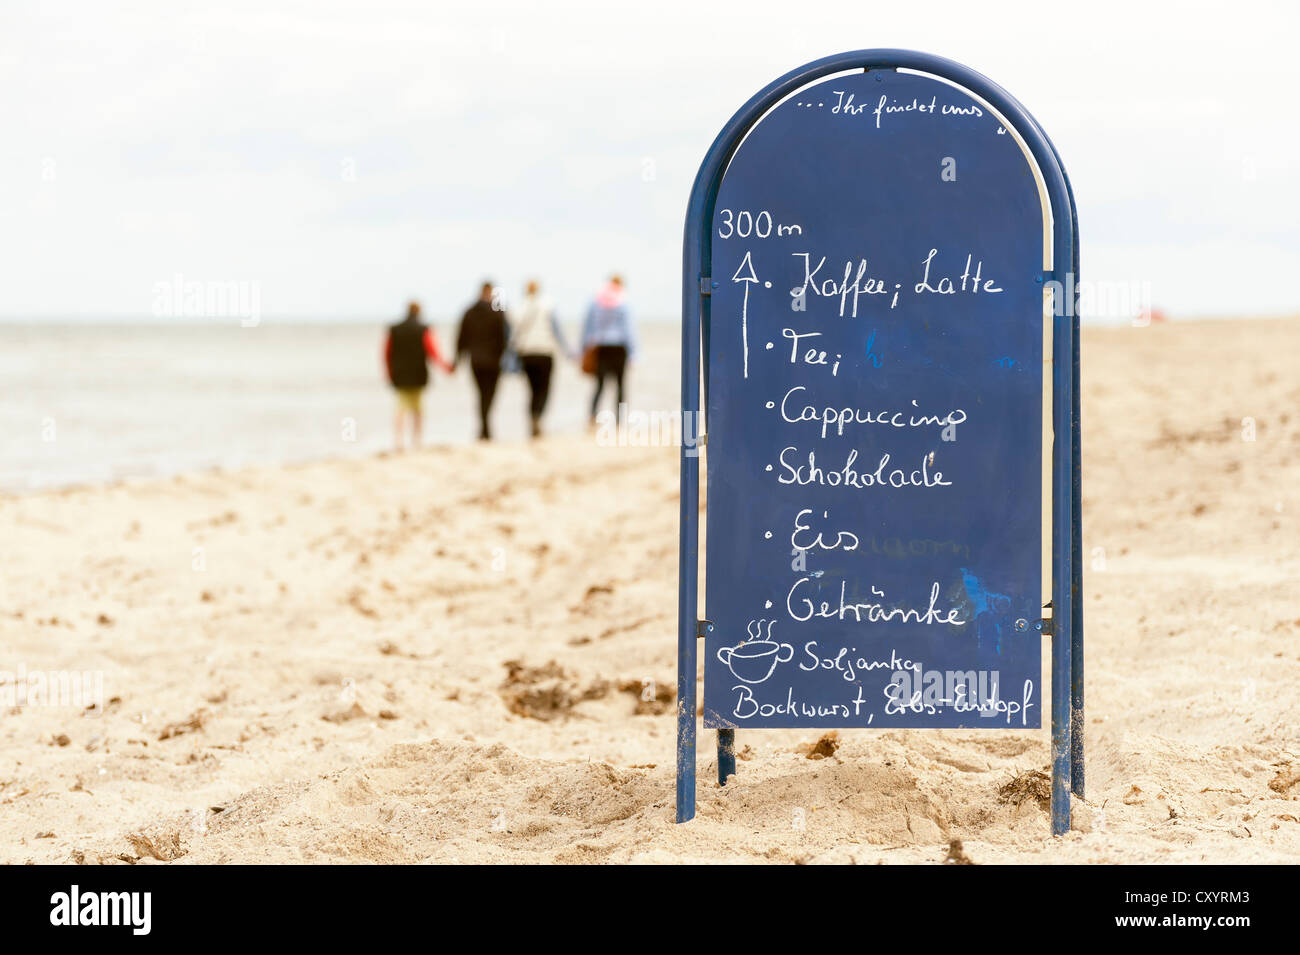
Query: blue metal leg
x,y
1060,735
1076,653
1076,559
686,732
1062,620
688,554
726,755
1064,533
687,637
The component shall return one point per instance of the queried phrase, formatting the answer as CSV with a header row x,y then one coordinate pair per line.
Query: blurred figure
x,y
536,337
608,341
483,334
410,346
1149,316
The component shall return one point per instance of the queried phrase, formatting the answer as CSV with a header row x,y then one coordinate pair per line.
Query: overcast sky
x,y
348,156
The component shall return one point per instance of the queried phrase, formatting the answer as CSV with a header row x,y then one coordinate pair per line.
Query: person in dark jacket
x,y
483,335
410,346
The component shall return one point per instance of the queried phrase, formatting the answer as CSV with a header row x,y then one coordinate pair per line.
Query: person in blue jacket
x,y
608,341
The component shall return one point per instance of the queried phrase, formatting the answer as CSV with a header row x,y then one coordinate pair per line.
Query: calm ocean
x,y
96,402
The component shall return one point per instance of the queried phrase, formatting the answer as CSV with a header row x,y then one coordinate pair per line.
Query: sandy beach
x,y
467,654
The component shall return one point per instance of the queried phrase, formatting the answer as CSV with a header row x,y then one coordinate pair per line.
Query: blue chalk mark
x,y
985,605
875,359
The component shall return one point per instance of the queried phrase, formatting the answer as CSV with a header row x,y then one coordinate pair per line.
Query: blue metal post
x,y
688,543
1063,526
1067,638
1076,497
1076,548
1060,734
726,755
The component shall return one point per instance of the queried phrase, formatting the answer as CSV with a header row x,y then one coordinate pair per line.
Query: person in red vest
x,y
409,348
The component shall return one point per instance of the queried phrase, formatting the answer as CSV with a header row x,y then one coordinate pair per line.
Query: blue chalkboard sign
x,y
871,261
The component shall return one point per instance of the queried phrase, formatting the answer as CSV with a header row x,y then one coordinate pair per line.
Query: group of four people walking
x,y
526,337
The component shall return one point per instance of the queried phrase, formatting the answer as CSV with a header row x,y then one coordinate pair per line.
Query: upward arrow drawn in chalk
x,y
745,265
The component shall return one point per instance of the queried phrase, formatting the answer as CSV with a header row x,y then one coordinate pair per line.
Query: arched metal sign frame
x,y
1066,623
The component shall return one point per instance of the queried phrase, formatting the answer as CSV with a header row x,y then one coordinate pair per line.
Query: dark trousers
x,y
538,370
485,377
611,361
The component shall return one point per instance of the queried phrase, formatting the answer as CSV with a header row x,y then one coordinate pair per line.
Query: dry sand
x,y
328,677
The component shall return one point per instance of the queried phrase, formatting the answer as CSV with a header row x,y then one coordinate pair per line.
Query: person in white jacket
x,y
537,339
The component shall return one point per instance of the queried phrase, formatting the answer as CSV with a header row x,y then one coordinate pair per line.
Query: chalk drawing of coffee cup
x,y
756,660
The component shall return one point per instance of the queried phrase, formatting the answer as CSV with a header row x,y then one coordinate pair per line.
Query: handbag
x,y
589,360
